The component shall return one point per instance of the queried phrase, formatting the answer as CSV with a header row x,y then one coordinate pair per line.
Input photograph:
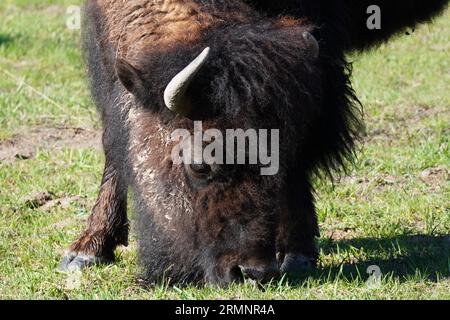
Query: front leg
x,y
107,225
297,250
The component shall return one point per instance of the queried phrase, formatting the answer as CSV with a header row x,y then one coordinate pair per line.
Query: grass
x,y
392,211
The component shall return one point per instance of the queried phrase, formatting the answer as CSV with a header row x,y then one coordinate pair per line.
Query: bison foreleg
x,y
298,230
107,225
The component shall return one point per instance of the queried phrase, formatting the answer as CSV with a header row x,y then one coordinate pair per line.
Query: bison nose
x,y
261,273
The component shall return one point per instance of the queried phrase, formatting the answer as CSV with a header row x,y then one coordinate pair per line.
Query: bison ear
x,y
129,76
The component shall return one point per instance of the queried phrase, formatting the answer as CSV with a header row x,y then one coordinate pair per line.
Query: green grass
x,y
393,210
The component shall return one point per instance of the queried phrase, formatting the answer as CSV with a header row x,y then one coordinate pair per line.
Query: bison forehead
x,y
134,24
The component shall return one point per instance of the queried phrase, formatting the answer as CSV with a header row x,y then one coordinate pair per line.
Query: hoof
x,y
73,261
295,264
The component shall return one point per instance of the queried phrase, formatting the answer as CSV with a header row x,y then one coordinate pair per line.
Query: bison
x,y
156,66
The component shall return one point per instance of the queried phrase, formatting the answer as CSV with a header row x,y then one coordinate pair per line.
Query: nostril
x,y
236,274
261,274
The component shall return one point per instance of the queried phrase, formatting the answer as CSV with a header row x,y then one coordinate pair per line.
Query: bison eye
x,y
201,171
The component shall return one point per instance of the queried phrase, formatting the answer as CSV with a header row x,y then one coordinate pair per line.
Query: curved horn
x,y
312,44
174,95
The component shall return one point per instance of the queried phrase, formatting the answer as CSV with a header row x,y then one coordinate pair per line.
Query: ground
x,y
391,212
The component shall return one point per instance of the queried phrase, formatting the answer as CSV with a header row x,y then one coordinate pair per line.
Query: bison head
x,y
211,221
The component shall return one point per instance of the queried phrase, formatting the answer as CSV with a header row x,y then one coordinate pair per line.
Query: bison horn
x,y
312,44
174,95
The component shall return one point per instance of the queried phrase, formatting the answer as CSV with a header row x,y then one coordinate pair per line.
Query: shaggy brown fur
x,y
132,26
260,74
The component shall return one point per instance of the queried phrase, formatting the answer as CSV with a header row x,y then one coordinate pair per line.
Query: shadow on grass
x,y
5,39
401,257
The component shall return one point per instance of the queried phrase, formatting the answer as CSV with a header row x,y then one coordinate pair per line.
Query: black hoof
x,y
295,264
73,261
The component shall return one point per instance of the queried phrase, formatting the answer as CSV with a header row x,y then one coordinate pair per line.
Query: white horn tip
x,y
204,53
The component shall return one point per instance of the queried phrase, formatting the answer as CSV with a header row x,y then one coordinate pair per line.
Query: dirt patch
x,y
435,176
340,234
378,182
47,200
39,200
25,144
390,127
